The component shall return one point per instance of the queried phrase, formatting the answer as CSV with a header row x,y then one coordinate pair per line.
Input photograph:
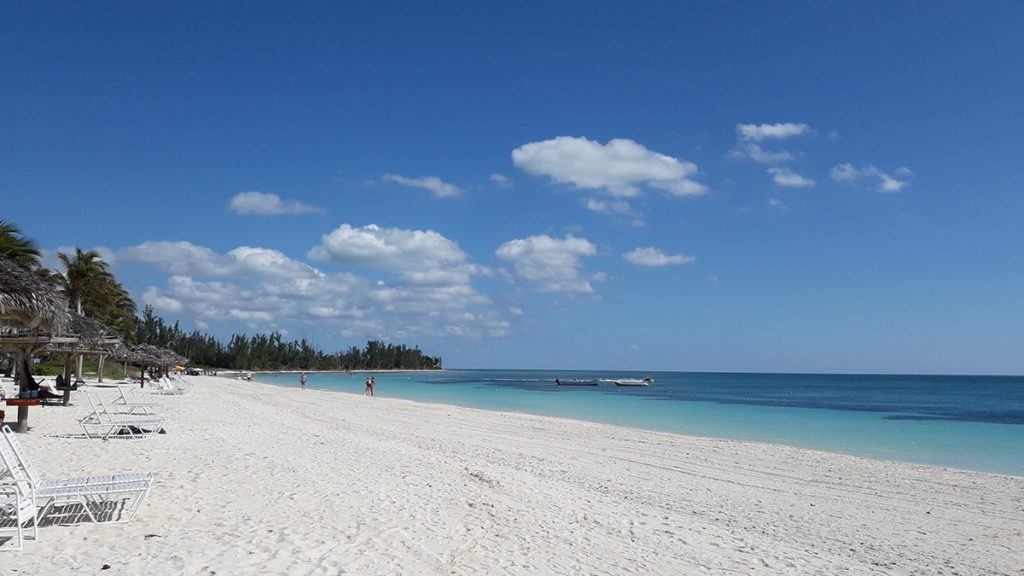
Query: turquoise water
x,y
968,422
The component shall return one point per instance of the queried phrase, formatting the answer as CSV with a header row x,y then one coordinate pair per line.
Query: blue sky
x,y
654,186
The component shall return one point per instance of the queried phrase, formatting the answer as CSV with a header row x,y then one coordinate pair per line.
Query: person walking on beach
x,y
302,380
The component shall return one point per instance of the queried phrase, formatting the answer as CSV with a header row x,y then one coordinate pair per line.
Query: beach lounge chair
x,y
168,387
17,508
130,404
114,498
103,424
179,382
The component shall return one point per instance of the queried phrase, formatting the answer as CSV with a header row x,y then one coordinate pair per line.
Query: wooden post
x,y
67,369
22,419
18,356
99,367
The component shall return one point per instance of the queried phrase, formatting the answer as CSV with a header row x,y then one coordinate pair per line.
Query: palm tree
x,y
17,247
86,279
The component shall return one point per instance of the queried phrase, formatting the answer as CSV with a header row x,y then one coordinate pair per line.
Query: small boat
x,y
575,382
647,381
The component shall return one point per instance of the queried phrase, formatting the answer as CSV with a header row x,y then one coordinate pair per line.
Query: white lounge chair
x,y
17,508
168,387
180,383
103,424
130,404
96,494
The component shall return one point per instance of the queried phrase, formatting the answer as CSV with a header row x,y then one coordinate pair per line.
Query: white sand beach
x,y
260,479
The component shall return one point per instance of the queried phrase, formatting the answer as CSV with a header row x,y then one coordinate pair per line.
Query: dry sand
x,y
260,479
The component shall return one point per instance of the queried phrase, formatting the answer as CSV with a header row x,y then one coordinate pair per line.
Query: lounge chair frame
x,y
102,423
17,506
94,493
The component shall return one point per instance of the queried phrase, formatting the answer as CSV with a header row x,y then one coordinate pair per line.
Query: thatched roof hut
x,y
28,302
139,355
93,335
146,355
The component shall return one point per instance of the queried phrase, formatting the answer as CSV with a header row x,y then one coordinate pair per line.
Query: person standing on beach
x,y
373,384
302,380
369,388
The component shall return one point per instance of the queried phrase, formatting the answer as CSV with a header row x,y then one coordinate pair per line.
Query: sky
x,y
699,186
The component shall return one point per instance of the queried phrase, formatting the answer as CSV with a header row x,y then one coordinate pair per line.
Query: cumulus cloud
x,y
185,258
885,183
550,264
264,290
761,132
439,187
501,181
608,206
748,136
788,179
654,257
760,155
265,204
615,207
617,168
388,248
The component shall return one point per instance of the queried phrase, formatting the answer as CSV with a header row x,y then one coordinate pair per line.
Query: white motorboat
x,y
634,382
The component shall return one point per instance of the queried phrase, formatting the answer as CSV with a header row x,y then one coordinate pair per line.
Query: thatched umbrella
x,y
27,305
145,356
28,308
91,337
28,302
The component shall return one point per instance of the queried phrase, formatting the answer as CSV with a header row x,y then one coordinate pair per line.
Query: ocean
x,y
966,422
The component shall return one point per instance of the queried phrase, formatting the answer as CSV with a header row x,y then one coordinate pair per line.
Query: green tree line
x,y
272,352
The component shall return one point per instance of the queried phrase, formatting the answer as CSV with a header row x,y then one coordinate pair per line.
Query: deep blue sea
x,y
968,422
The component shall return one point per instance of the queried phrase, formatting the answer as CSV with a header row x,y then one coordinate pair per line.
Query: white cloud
x,y
265,204
161,304
748,135
788,179
501,181
886,183
551,264
776,203
186,258
761,132
608,206
655,257
439,187
240,290
393,249
617,168
760,155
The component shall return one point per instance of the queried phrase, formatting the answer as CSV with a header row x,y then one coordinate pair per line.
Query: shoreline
x,y
254,478
649,430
